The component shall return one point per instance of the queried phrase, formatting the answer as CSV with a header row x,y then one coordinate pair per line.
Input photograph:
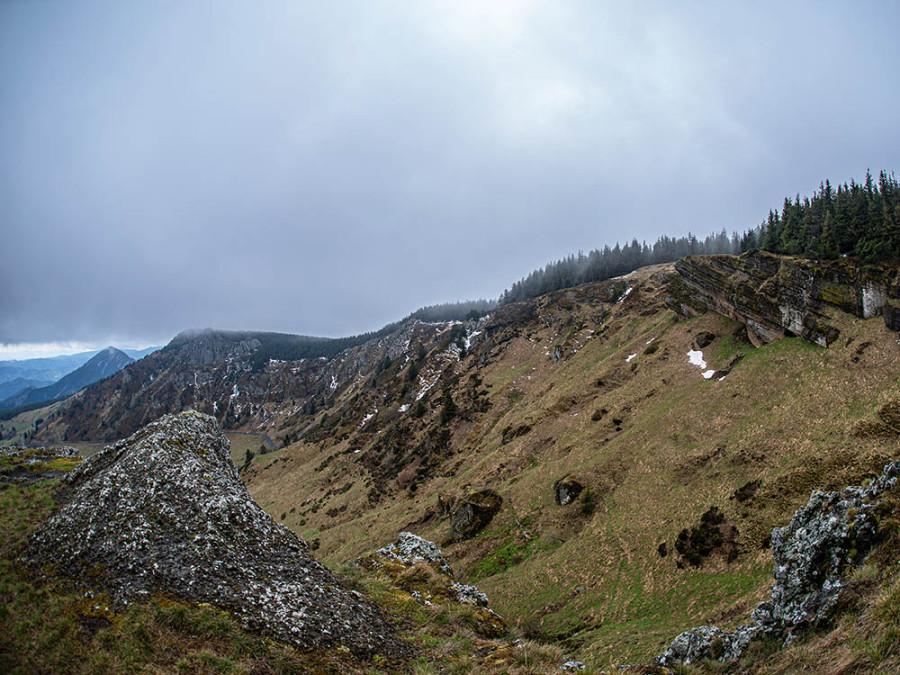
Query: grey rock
x,y
572,666
469,594
164,511
832,533
411,549
566,490
707,642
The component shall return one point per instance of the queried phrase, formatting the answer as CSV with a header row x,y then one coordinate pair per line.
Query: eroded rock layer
x,y
778,297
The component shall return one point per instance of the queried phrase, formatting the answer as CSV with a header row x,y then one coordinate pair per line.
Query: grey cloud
x,y
325,168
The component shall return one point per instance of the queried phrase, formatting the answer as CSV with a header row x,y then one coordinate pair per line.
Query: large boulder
x,y
474,510
813,553
165,512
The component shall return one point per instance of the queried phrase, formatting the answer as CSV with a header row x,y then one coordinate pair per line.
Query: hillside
x,y
643,398
102,365
14,386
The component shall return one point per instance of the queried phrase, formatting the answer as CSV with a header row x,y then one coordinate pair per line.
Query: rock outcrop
x,y
418,567
474,510
832,533
776,296
566,490
165,512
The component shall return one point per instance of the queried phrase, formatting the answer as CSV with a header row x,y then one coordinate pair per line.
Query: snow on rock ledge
x,y
164,511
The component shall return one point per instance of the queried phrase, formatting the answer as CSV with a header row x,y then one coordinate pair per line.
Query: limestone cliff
x,y
777,297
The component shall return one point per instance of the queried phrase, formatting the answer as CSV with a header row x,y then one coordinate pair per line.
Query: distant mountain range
x,y
19,375
100,366
13,387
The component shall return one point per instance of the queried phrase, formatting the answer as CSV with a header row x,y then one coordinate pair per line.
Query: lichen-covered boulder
x,y
831,533
165,512
707,642
566,490
813,553
411,549
474,510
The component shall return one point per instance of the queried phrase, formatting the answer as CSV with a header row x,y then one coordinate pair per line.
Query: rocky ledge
x,y
164,512
813,553
777,296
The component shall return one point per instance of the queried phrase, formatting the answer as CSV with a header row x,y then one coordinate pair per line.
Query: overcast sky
x,y
327,167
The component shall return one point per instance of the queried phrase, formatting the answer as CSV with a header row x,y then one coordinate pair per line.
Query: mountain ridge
x,y
104,364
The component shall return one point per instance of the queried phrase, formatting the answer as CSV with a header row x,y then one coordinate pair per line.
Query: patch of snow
x,y
630,356
650,341
696,358
708,374
334,383
235,391
624,295
469,337
404,407
215,407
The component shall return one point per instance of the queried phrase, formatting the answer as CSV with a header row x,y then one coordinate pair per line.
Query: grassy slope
x,y
784,416
48,626
25,421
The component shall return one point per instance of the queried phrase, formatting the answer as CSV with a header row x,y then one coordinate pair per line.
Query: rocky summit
x,y
164,512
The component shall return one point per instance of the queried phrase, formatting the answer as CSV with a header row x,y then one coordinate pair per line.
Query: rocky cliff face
x,y
165,512
218,373
779,297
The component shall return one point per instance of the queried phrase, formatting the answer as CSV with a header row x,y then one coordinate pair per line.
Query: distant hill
x,y
13,387
47,369
102,365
